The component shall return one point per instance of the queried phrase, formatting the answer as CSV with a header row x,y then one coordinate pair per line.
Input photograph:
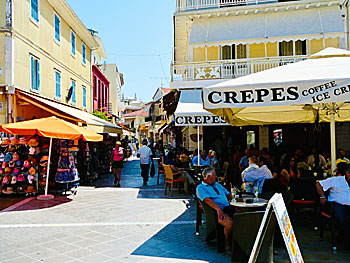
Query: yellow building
x,y
45,52
216,40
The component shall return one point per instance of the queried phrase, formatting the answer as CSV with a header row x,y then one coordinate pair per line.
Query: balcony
x,y
194,5
227,69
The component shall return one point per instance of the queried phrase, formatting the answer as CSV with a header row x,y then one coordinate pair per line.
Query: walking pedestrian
x,y
116,162
145,155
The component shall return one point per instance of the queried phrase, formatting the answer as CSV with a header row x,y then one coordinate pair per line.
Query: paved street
x,y
129,224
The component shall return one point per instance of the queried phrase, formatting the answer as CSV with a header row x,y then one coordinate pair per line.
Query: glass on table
x,y
256,192
234,192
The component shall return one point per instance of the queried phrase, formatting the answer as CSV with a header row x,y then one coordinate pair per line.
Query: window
x,y
84,53
57,28
234,52
300,47
73,92
35,73
57,84
286,48
34,10
84,97
72,38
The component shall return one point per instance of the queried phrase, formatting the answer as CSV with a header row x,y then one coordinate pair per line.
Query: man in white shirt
x,y
254,175
145,155
339,193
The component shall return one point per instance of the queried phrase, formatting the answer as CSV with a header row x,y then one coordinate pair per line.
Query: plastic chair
x,y
214,230
160,169
169,179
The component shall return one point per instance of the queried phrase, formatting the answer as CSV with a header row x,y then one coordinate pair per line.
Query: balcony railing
x,y
192,5
227,69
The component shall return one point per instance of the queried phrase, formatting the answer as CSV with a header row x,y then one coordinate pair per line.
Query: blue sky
x,y
137,35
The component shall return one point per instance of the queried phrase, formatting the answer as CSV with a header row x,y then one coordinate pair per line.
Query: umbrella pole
x,y
46,196
198,145
333,143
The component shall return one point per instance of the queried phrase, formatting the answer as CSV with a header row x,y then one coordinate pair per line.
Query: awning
x,y
159,125
69,112
190,112
258,28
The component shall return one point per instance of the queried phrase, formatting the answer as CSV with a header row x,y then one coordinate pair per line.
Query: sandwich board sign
x,y
277,205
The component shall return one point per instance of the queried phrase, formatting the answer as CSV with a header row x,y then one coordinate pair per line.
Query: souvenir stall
x,y
64,161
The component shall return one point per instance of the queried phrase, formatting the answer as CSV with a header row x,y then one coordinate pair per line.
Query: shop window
x,y
286,48
84,53
34,10
234,52
35,73
84,97
72,39
57,28
241,51
300,47
250,139
57,84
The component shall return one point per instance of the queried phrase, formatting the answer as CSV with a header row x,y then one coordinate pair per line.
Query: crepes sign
x,y
201,120
271,94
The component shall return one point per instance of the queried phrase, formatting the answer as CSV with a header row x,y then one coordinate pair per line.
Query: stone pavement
x,y
133,223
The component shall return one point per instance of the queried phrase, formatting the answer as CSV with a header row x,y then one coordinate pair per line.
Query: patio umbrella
x,y
51,127
295,93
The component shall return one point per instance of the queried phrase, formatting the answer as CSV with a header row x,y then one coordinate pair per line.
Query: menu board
x,y
285,225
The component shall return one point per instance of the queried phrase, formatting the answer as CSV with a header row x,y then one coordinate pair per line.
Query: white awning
x,y
257,28
190,112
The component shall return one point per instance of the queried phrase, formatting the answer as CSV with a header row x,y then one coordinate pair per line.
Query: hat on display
x,y
8,157
31,150
32,171
12,148
6,179
22,140
26,164
8,190
5,141
30,189
16,171
2,172
33,142
13,179
18,164
30,178
8,170
4,165
20,178
44,160
14,141
12,164
2,157
33,162
15,156
44,170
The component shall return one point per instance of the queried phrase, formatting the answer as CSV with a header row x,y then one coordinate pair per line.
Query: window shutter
x,y
38,75
32,68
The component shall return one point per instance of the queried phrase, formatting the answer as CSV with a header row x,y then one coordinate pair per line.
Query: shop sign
x,y
276,204
309,92
201,120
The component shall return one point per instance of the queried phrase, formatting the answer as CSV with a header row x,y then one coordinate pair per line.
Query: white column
x,y
198,145
333,142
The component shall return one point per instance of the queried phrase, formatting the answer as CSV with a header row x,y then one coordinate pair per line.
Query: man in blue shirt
x,y
217,197
204,159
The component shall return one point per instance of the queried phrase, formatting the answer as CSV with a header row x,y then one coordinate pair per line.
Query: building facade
x,y
44,50
216,40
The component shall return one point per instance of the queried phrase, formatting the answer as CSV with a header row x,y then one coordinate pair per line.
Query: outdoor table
x,y
242,202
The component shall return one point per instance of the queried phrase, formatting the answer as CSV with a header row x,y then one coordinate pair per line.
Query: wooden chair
x,y
169,179
160,169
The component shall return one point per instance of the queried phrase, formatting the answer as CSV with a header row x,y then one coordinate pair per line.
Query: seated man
x,y
254,175
204,159
217,197
339,193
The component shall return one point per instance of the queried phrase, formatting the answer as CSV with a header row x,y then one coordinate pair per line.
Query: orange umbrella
x,y
51,127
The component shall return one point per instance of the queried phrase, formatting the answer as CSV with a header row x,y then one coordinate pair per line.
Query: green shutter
x,y
32,69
